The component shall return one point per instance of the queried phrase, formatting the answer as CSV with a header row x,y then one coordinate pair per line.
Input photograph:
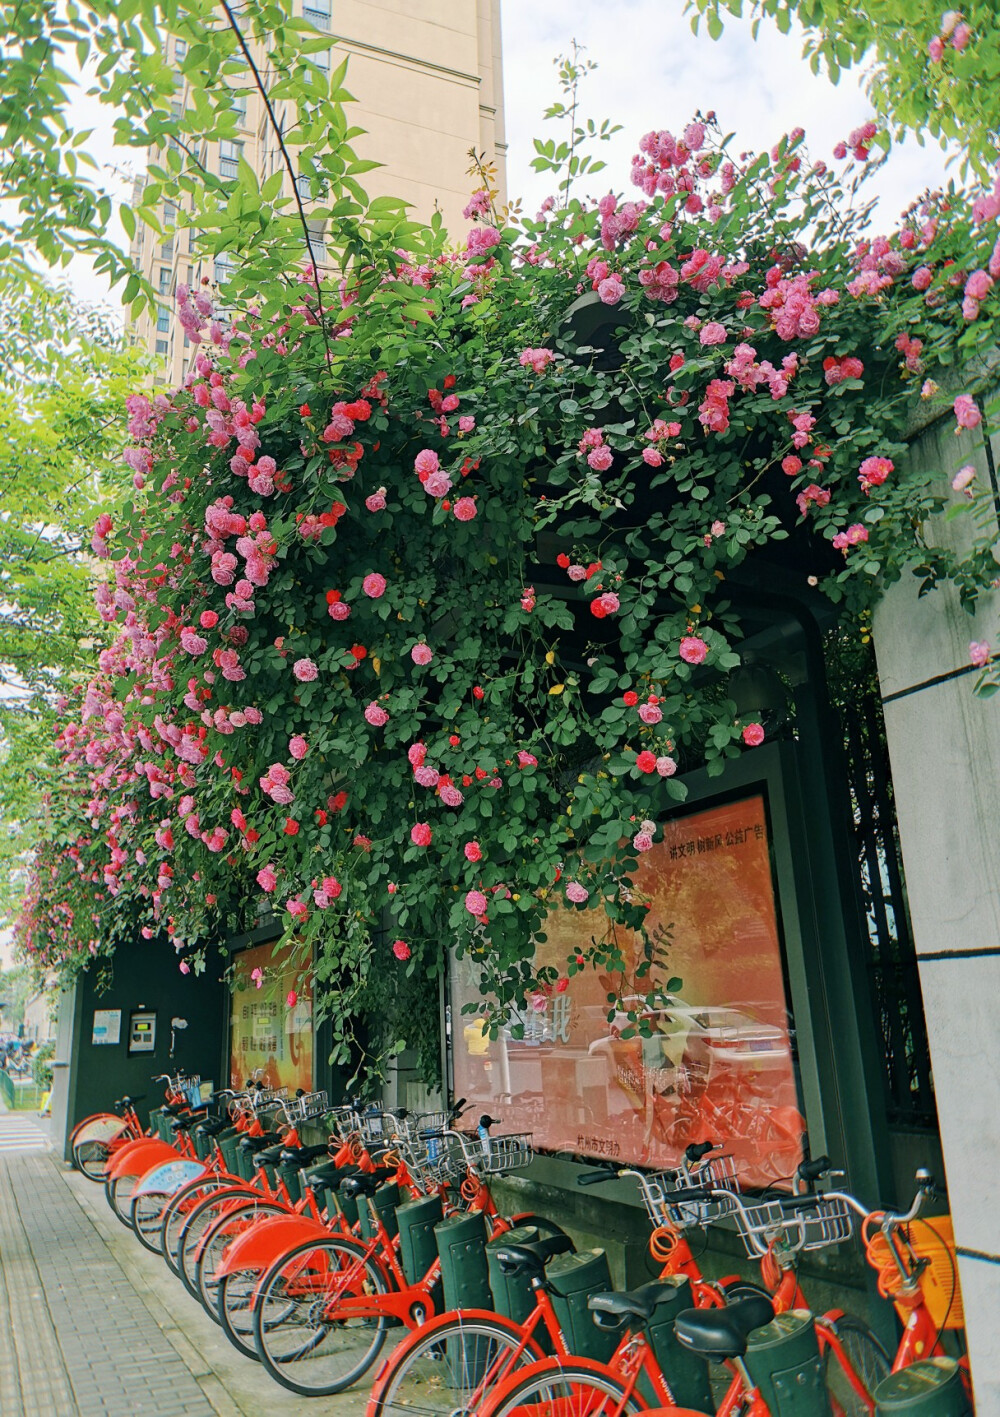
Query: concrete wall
x,y
944,747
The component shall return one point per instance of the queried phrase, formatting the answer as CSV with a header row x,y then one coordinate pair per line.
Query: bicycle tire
x,y
203,1216
571,1389
91,1158
146,1218
738,1289
180,1206
118,1193
217,1237
867,1357
311,1278
450,1366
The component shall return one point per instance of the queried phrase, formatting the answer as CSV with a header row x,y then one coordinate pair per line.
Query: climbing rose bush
x,y
421,604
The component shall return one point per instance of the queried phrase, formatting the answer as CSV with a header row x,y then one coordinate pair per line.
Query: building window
x,y
229,158
321,59
180,48
167,249
240,108
165,276
162,320
303,185
162,346
317,242
223,269
317,12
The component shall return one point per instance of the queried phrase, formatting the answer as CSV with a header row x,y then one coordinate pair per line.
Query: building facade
x,y
427,80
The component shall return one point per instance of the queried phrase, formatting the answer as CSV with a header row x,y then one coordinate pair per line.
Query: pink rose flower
x,y
753,735
642,841
305,670
376,502
473,851
963,478
376,715
421,654
421,834
298,747
979,653
450,796
693,649
466,423
713,333
416,753
401,949
465,509
426,462
666,767
373,585
475,903
339,610
967,412
266,878
427,776
650,713
577,893
438,484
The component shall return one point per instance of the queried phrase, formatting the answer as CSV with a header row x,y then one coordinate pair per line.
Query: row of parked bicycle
x,y
311,1257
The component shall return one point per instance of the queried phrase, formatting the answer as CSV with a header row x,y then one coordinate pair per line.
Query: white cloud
x,y
653,72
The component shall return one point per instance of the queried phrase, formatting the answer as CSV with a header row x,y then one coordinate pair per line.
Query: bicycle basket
x,y
492,1156
663,1211
307,1107
795,1223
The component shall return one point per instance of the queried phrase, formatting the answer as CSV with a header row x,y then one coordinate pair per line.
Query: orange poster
x,y
268,1037
715,1063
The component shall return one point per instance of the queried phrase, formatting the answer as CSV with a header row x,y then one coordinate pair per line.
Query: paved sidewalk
x,y
93,1324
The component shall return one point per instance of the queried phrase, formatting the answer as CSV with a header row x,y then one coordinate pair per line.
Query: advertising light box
x,y
716,1062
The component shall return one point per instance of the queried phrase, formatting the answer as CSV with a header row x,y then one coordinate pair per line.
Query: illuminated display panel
x,y
718,1064
265,1032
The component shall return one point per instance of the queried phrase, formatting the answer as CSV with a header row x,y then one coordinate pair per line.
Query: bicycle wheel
x,y
118,1193
301,1341
561,1389
215,1239
91,1158
234,1309
450,1366
197,1225
867,1357
179,1207
146,1218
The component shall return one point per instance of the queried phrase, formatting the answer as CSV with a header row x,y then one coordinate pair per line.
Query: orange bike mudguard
x,y
137,1157
267,1240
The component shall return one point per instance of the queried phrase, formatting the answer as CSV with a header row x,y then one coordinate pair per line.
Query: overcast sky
x,y
652,73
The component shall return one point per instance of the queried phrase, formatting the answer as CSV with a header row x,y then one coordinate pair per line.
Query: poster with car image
x,y
712,1059
271,1027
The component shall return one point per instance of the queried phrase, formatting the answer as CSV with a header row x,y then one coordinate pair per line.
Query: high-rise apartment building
x,y
427,78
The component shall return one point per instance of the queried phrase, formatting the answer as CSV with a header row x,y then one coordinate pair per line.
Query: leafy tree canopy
x,y
932,70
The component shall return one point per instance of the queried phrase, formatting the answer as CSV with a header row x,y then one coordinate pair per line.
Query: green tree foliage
x,y
952,95
52,198
62,431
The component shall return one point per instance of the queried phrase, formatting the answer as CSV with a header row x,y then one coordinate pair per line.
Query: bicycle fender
x,y
167,1177
99,1129
266,1241
136,1157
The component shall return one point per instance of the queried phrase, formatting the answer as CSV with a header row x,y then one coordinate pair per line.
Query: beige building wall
x,y
428,82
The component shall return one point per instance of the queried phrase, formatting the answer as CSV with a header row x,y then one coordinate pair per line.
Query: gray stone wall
x,y
944,747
